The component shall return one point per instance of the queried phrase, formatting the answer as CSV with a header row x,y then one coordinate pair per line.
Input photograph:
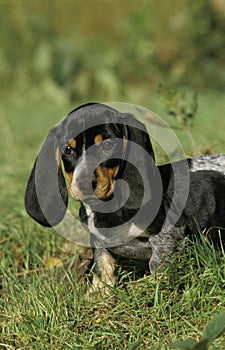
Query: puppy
x,y
132,208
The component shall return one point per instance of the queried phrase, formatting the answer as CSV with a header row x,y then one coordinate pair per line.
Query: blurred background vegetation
x,y
72,51
54,55
168,56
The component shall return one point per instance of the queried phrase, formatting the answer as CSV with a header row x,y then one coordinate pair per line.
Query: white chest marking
x,y
91,223
127,232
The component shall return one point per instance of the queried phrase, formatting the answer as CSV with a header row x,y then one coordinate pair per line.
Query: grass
x,y
42,303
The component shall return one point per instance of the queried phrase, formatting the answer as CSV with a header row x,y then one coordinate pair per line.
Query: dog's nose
x,y
87,184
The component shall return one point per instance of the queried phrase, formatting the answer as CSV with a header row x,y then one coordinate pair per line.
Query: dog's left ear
x,y
138,134
140,168
46,194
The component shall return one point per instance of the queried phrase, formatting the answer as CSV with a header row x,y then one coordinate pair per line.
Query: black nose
x,y
87,184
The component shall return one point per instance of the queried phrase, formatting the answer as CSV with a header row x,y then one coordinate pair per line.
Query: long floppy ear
x,y
138,133
140,169
46,194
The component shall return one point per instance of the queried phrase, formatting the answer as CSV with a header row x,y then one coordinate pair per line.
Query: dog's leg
x,y
104,271
164,245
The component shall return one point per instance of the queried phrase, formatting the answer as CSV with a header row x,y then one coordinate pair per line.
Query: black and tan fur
x,y
47,196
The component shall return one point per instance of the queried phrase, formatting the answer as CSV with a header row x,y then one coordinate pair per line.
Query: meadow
x,y
43,304
54,55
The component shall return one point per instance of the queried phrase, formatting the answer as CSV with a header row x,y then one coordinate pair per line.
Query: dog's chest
x,y
127,240
125,231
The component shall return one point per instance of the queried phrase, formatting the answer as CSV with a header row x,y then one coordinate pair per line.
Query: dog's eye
x,y
68,150
108,145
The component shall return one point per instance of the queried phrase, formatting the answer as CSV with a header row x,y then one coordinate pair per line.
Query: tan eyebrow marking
x,y
73,143
98,139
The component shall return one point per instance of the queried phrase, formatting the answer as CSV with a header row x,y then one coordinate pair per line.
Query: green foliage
x,y
186,344
43,305
181,106
213,330
120,50
54,55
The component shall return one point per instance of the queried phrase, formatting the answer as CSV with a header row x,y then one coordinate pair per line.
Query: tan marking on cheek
x,y
58,157
74,191
114,171
105,181
72,188
124,142
102,182
73,143
98,139
70,176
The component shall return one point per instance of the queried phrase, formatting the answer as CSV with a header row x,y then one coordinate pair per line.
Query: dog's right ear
x,y
46,196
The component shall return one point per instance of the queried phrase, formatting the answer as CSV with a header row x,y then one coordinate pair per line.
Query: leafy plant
x,y
213,330
182,107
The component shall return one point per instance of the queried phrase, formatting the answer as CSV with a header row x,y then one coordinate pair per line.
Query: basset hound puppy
x,y
132,208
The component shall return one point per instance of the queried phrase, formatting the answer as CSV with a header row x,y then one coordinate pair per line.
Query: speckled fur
x,y
204,208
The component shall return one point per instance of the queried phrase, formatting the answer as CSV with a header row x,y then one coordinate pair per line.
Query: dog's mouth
x,y
92,196
105,182
95,201
89,190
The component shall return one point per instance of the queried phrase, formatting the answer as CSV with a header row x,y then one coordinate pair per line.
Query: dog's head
x,y
90,147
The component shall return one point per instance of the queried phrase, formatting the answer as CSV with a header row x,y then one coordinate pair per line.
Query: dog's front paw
x,y
154,263
99,288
